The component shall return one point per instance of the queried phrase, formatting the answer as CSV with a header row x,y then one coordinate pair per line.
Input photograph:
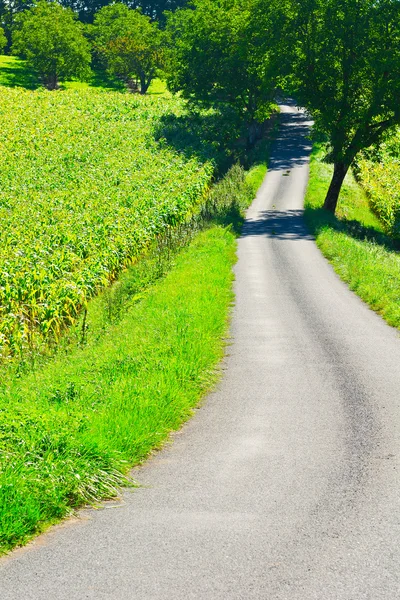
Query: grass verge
x,y
69,431
354,241
130,372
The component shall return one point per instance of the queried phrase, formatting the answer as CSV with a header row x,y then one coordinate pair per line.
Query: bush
x,y
380,176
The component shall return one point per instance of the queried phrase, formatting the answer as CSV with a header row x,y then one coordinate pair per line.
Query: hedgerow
x,y
85,189
380,176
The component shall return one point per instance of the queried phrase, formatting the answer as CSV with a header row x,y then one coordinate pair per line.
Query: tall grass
x,y
130,372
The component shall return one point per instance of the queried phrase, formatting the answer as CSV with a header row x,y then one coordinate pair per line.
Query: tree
x,y
155,9
51,39
8,11
221,57
86,9
3,39
346,71
131,45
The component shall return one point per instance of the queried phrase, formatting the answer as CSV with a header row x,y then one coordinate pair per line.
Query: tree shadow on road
x,y
298,225
281,225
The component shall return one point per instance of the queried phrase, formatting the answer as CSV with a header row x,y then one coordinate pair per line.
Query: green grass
x,y
130,371
354,242
74,418
14,72
69,431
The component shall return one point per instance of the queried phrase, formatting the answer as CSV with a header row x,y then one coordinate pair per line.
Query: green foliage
x,y
85,189
70,431
3,39
52,41
220,57
379,172
8,13
354,243
138,361
131,45
154,9
346,71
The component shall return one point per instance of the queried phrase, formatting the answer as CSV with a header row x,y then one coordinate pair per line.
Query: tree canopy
x,y
346,71
222,52
51,40
131,44
339,58
86,9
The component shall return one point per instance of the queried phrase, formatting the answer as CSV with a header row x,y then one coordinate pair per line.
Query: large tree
x,y
131,44
221,55
346,71
51,39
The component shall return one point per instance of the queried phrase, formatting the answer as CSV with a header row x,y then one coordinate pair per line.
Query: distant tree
x,y
155,9
9,9
51,40
220,53
3,39
131,45
346,71
86,9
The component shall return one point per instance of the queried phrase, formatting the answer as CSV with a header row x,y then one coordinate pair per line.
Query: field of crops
x,y
85,187
380,176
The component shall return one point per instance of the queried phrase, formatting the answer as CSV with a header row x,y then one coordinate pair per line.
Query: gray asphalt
x,y
285,484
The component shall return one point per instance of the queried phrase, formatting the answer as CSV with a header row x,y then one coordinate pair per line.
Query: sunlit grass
x,y
354,242
130,372
14,72
69,431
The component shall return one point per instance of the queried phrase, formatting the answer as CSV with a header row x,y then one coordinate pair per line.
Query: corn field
x,y
85,187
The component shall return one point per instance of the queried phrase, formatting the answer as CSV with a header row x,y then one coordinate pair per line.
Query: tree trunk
x,y
144,84
52,82
254,133
339,173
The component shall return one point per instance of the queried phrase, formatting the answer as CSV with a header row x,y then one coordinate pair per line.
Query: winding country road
x,y
285,485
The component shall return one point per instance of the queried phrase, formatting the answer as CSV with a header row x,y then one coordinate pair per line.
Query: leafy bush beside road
x,y
380,177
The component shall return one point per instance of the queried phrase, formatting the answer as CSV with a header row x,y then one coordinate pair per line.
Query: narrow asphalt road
x,y
285,484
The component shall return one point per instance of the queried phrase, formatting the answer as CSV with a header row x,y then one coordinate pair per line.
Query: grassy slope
x,y
69,430
354,242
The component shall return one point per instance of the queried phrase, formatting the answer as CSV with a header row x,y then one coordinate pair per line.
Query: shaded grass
x,y
354,242
14,72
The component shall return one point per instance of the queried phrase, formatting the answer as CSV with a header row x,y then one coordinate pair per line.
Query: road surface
x,y
285,485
